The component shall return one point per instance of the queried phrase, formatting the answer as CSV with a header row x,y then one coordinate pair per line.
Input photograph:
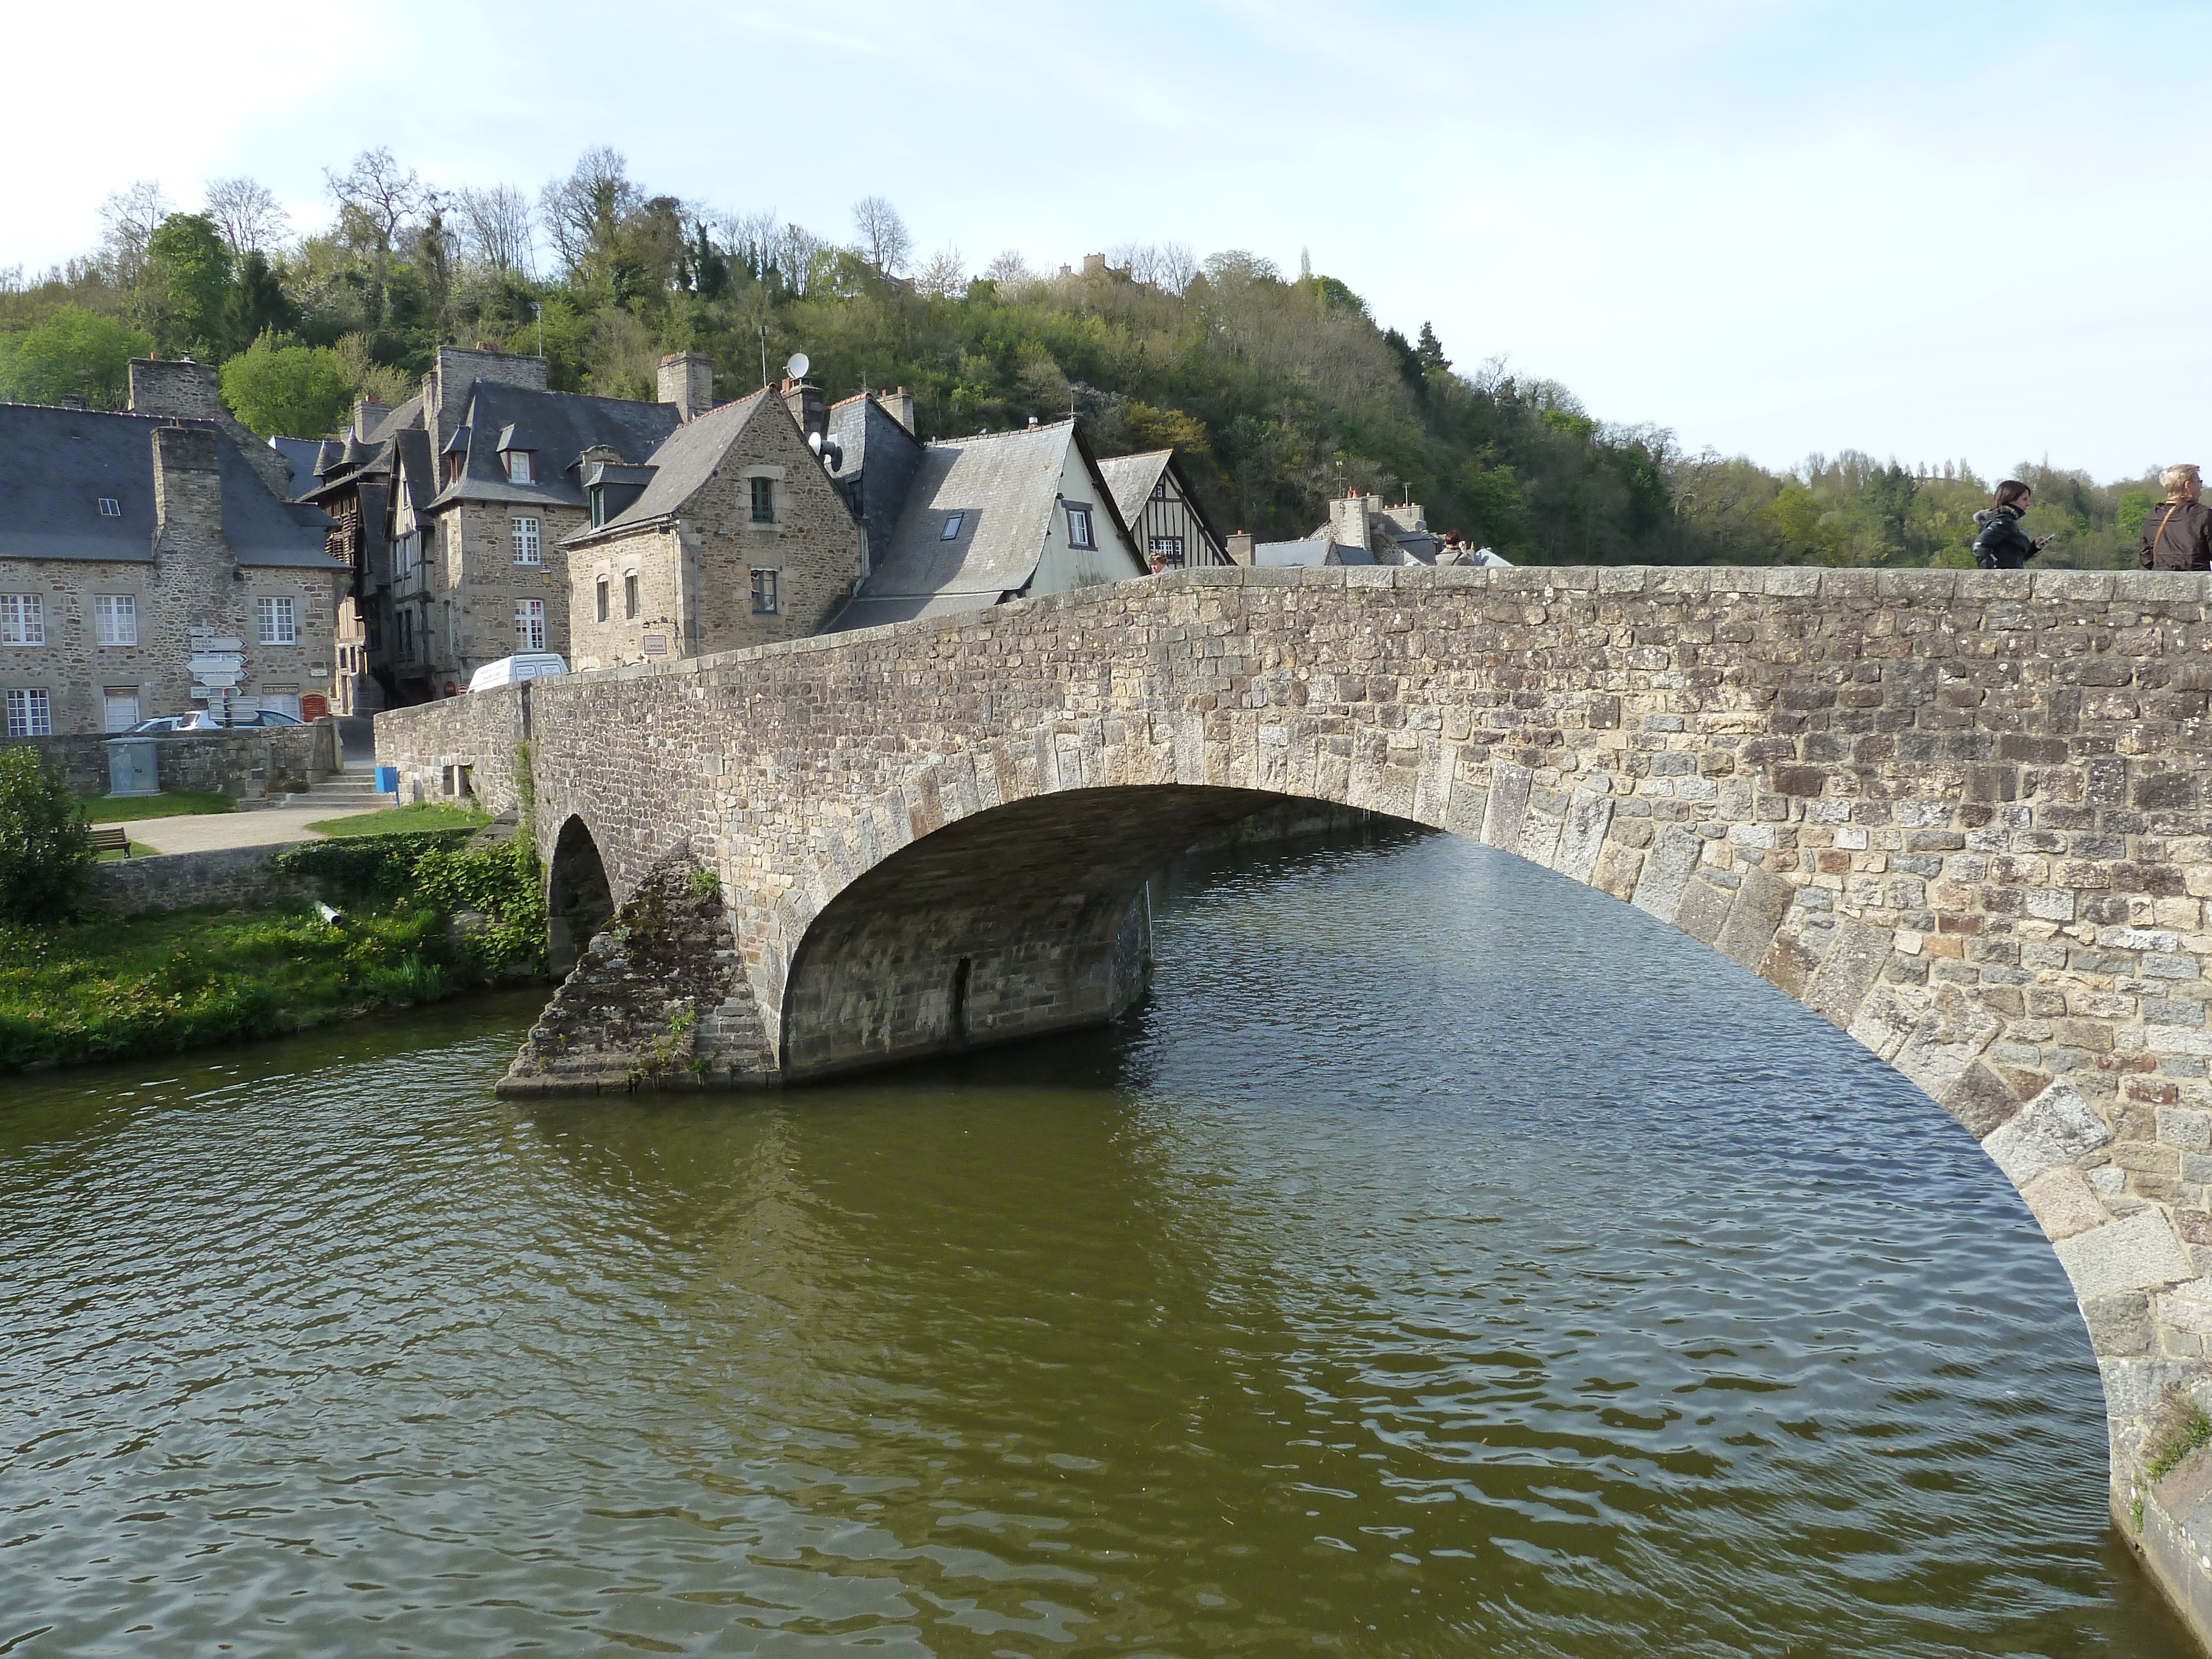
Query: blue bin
x,y
387,779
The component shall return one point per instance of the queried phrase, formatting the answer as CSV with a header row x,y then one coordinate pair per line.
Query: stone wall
x,y
1961,815
483,730
244,763
239,878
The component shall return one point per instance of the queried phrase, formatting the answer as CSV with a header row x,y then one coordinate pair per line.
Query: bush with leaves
x,y
45,852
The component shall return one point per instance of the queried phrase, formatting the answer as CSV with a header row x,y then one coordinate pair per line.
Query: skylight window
x,y
951,530
110,508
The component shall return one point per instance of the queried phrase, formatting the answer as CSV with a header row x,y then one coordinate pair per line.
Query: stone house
x,y
730,533
482,478
131,544
1171,528
873,454
997,517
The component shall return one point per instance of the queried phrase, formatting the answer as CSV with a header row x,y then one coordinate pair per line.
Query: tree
x,y
303,391
74,352
495,227
379,197
249,217
945,275
45,852
885,241
257,304
1430,351
130,218
188,285
582,212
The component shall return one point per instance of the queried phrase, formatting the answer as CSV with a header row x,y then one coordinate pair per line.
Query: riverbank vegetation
x,y
1279,390
423,917
394,820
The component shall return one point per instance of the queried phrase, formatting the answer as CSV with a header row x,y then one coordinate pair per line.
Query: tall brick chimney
x,y
687,380
804,399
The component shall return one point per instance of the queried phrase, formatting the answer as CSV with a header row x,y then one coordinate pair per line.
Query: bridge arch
x,y
579,899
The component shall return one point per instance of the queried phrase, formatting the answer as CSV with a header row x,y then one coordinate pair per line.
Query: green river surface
x,y
1444,1259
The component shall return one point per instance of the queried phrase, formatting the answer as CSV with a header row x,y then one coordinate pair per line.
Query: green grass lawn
x,y
175,804
156,984
422,815
138,850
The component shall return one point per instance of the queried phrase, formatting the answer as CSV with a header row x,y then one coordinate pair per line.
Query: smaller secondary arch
x,y
579,900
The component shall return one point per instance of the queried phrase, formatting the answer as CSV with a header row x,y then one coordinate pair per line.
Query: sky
x,y
1775,229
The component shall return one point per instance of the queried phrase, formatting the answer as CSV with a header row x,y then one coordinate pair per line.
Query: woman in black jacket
x,y
1999,542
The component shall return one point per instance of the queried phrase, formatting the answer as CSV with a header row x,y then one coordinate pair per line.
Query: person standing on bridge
x,y
1999,542
2176,535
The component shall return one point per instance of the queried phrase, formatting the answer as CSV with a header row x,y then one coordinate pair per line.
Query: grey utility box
x,y
133,766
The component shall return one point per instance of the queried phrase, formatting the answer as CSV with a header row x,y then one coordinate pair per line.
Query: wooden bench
x,y
110,838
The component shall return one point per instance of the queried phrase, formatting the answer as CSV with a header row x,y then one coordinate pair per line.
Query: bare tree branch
x,y
248,215
885,241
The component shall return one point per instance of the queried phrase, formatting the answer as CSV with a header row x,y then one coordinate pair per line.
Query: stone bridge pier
x,y
1960,815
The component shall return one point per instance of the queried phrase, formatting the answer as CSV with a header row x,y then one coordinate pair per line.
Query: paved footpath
x,y
204,832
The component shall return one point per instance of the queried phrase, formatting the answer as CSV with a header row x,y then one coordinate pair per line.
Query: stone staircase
x,y
353,789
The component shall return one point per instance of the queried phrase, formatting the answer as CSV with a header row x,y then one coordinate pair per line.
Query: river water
x,y
1445,1259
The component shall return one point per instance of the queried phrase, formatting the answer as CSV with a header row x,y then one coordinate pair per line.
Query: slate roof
x,y
367,454
299,456
681,464
1004,486
1132,479
60,462
562,426
1314,550
411,462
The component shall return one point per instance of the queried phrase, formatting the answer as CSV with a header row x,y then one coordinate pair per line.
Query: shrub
x,y
45,852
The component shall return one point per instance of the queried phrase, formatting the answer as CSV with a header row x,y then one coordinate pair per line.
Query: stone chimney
x,y
181,389
899,405
186,391
1239,548
687,380
804,399
188,494
367,412
445,387
1349,518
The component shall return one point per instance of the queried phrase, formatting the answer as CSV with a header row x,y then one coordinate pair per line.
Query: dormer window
x,y
518,467
453,463
110,508
951,530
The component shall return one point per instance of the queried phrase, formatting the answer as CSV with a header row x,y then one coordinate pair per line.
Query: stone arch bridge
x,y
1961,815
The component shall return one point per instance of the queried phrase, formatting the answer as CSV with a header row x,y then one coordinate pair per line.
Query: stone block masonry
x,y
1960,815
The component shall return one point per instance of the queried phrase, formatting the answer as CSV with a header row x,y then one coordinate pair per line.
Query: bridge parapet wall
x,y
1962,815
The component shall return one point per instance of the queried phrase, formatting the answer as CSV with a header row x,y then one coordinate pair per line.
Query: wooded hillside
x,y
1280,390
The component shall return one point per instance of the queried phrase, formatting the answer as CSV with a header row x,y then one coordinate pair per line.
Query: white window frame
x,y
767,601
530,624
108,699
529,547
22,619
110,508
520,469
30,714
1081,534
276,621
116,619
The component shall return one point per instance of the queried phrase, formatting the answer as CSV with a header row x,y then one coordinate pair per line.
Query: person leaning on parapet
x,y
1999,542
2177,534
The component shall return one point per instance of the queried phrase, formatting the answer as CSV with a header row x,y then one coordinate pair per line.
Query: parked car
x,y
204,720
512,671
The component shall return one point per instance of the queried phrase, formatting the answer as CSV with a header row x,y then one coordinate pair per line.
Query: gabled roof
x,y
411,465
1004,487
1132,478
684,461
1314,550
562,426
62,462
358,456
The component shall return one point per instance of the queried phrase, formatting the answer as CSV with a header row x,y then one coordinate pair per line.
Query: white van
x,y
512,671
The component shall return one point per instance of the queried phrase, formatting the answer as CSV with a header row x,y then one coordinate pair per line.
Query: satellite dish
x,y
800,363
814,441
